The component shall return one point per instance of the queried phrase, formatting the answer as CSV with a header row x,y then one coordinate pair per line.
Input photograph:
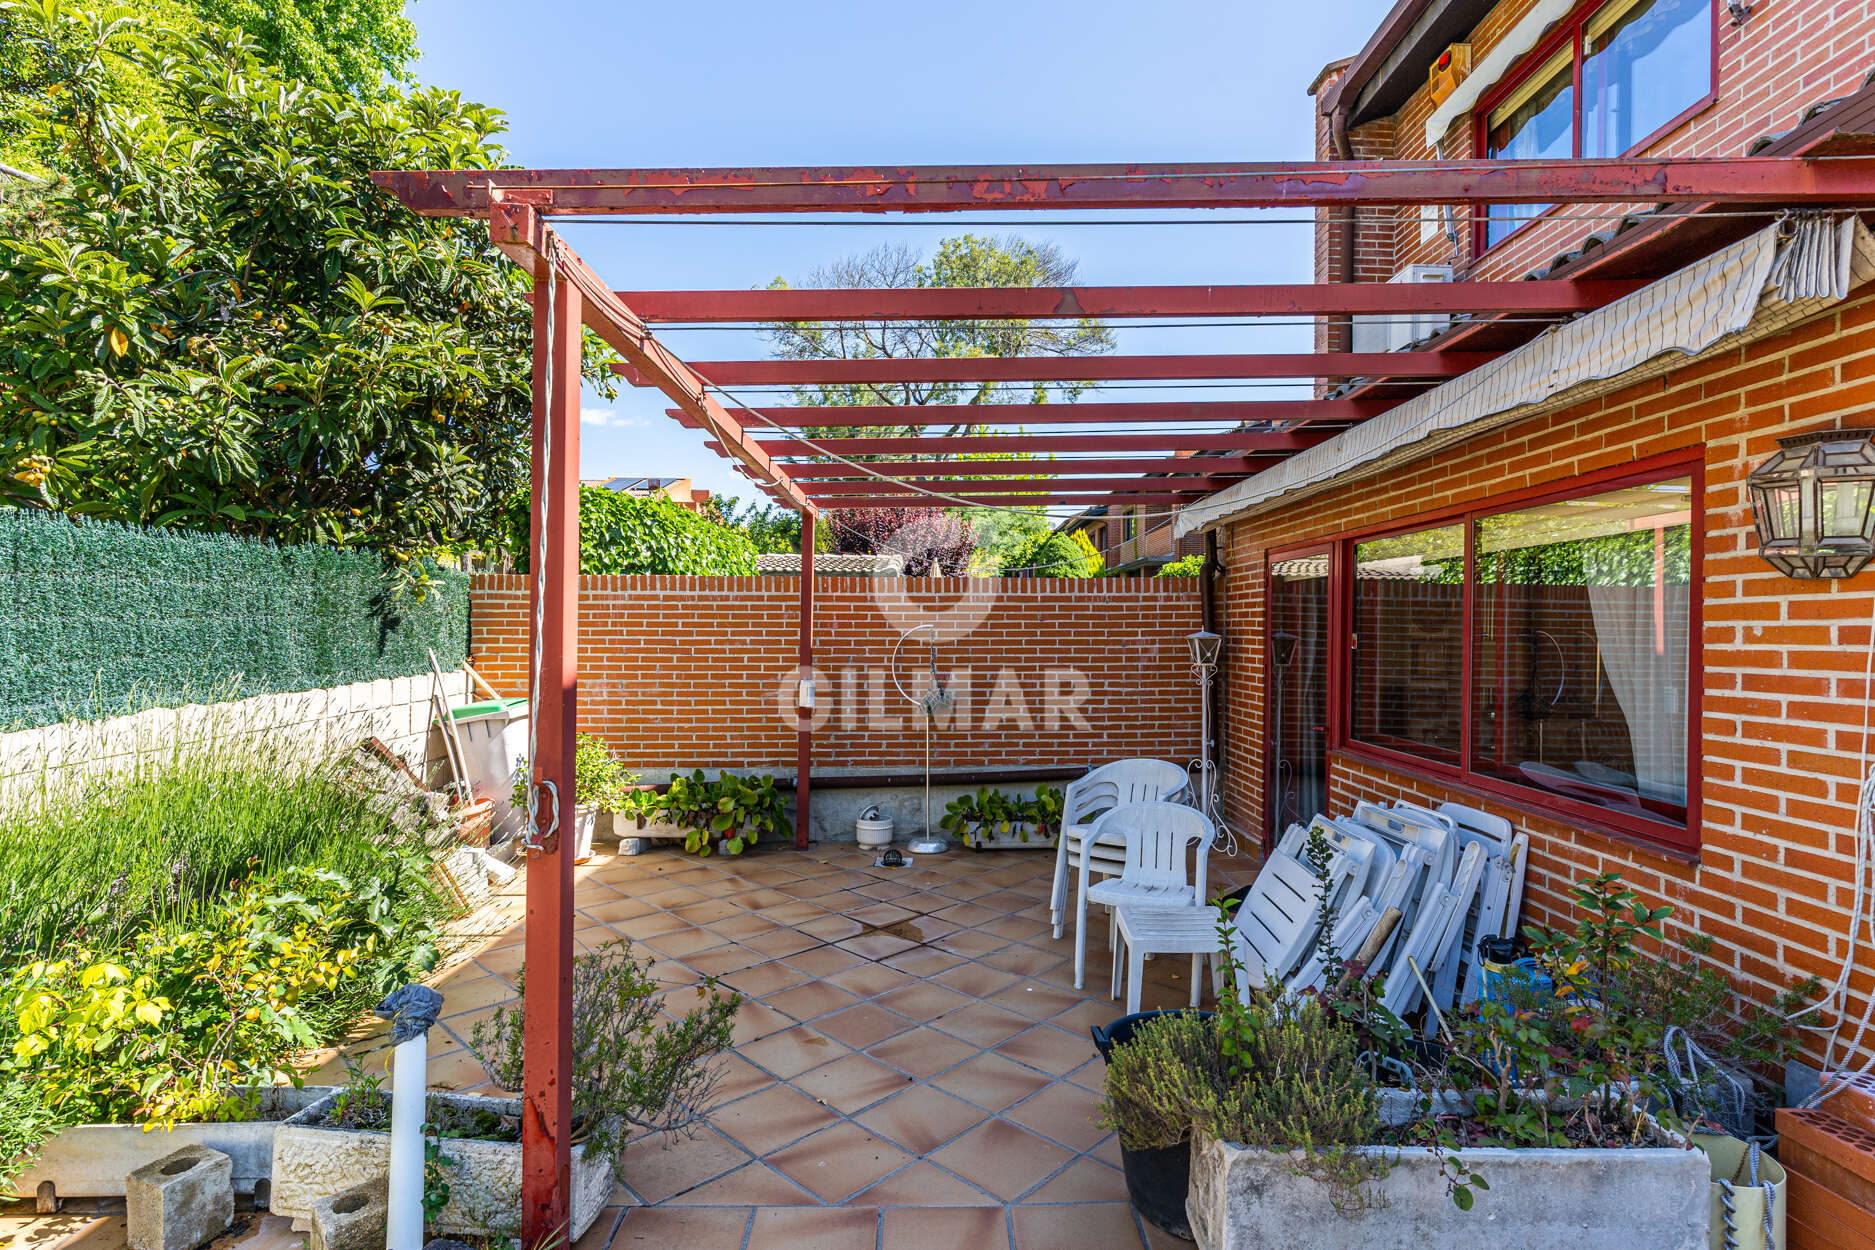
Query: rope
x,y
536,838
1728,1203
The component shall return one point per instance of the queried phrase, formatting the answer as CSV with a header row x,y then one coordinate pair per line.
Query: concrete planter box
x,y
638,827
92,1160
1644,1199
1021,836
311,1162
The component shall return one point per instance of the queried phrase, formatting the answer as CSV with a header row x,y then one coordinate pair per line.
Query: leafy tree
x,y
934,543
355,45
965,260
771,528
1002,534
620,533
1053,555
219,322
1184,566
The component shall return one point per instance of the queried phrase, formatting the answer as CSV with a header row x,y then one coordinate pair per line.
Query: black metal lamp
x,y
1813,503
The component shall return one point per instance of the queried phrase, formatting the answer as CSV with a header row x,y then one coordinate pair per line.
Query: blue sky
x,y
834,82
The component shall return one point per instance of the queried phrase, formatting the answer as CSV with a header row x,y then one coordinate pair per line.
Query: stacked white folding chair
x,y
1076,852
1160,838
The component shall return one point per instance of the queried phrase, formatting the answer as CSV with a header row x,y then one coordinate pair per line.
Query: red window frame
x,y
1336,696
1658,833
1569,31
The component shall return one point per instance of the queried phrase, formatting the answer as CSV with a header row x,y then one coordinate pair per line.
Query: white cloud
x,y
611,418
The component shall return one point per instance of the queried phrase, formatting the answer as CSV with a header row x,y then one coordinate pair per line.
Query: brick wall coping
x,y
771,585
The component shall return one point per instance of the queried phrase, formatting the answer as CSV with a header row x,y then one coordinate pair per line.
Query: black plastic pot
x,y
1157,1179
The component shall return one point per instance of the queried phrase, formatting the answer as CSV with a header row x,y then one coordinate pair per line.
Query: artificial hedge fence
x,y
98,618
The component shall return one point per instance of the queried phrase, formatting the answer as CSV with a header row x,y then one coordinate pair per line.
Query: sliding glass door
x,y
1295,785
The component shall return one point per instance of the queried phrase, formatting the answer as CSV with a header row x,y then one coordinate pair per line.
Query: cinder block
x,y
352,1219
181,1201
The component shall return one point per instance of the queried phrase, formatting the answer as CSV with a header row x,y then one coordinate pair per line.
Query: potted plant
x,y
730,814
992,820
1548,1107
633,1070
601,784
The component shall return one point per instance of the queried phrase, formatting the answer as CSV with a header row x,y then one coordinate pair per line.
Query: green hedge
x,y
98,618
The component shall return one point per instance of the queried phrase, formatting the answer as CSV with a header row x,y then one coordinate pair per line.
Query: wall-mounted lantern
x,y
1813,503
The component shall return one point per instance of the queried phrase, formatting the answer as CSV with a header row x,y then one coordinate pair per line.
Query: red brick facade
x,y
684,672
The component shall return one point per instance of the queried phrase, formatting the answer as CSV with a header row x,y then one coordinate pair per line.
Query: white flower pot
x,y
873,833
311,1161
585,820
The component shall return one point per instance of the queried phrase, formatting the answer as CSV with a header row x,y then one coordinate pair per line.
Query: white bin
x,y
494,739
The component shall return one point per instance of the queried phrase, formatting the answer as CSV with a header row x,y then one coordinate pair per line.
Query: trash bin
x,y
493,734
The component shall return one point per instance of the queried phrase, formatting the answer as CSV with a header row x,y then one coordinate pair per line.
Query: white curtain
x,y
1641,630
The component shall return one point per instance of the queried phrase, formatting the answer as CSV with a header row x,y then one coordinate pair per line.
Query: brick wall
x,y
1787,56
1784,697
683,672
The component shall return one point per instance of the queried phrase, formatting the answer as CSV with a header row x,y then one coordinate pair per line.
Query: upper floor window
x,y
1602,84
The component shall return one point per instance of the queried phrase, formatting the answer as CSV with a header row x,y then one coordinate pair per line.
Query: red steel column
x,y
804,749
547,1064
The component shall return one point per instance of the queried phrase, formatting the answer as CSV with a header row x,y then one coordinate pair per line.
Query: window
x,y
1129,528
1601,85
1544,650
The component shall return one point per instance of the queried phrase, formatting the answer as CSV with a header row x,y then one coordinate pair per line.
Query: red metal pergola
x,y
1815,167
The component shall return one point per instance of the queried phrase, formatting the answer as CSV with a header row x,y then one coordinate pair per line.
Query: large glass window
x,y
1544,648
1409,640
1638,65
1580,648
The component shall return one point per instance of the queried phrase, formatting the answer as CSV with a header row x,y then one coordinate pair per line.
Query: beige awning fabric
x,y
1784,274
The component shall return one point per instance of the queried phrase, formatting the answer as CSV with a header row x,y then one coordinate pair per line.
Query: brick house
x,y
1549,604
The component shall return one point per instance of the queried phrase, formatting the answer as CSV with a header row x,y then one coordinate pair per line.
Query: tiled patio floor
x,y
912,1065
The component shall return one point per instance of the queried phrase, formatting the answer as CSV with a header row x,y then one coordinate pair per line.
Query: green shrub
x,y
93,856
1053,555
621,534
599,779
1184,566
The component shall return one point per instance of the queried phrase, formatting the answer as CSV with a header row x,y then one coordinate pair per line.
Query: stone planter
x,y
92,1160
1243,1199
638,827
1020,836
311,1161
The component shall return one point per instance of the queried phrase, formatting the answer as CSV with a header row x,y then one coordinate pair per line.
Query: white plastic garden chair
x,y
1159,839
1103,789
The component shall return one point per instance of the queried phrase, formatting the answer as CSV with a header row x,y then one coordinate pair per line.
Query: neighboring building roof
x,y
1089,516
827,564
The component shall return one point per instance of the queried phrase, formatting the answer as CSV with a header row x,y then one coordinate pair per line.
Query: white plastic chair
x,y
1158,839
1102,789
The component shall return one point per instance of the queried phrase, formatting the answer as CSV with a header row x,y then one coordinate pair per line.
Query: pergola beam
x,y
518,230
911,500
876,370
1237,412
1114,302
827,492
1774,180
1029,444
1211,466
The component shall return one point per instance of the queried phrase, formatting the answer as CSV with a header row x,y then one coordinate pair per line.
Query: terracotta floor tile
x,y
739,1077
981,1023
955,1228
1036,1001
665,1165
852,1082
832,927
991,1081
651,924
1006,1160
724,959
925,902
1048,1048
811,999
755,1020
693,1228
1062,1112
750,1184
924,1001
871,980
965,890
675,896
1098,1010
743,927
784,943
1084,1180
885,891
756,900
839,1161
921,1119
767,978
824,961
792,1051
1024,960
968,914
764,1122
709,909
868,1024
615,910
793,912
879,915
924,961
1093,1226
1090,1075
1108,1151
975,979
972,943
923,1052
822,1228
876,946
1015,928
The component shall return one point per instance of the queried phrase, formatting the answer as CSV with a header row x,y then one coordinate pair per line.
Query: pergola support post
x,y
805,695
547,1004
